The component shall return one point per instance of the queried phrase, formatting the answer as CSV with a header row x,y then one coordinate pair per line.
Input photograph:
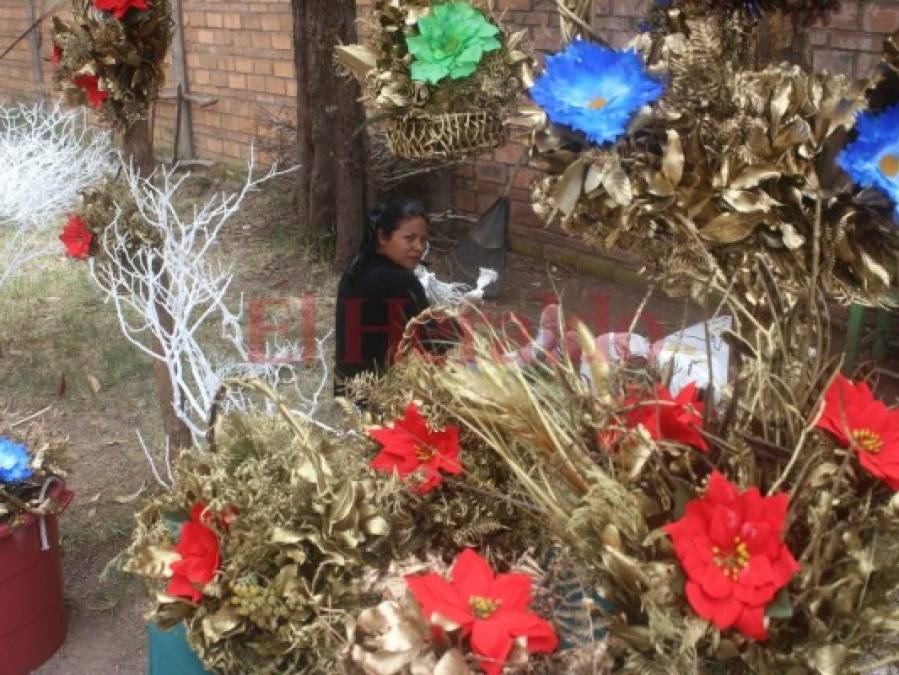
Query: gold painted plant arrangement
x,y
753,535
110,56
445,75
659,532
260,547
109,202
726,167
29,469
269,545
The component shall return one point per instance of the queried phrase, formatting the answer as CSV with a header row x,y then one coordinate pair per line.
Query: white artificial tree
x,y
164,295
48,155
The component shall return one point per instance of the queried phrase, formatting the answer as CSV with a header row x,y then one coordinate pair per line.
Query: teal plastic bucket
x,y
169,653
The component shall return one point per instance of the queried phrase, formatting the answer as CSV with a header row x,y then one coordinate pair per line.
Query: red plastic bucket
x,y
32,613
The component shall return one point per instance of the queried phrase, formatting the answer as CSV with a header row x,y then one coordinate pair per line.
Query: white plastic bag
x,y
453,294
684,352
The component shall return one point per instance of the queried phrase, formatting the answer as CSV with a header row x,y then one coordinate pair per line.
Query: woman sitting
x,y
379,292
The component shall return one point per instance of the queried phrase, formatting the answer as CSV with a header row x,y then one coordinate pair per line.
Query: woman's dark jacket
x,y
374,302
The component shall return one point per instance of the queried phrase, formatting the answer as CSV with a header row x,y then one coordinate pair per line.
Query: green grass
x,y
54,324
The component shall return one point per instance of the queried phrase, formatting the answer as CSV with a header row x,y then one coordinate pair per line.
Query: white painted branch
x,y
48,154
183,280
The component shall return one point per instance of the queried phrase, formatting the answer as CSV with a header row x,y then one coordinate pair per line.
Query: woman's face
x,y
407,244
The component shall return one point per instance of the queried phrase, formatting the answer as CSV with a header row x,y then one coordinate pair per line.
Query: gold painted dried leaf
x,y
874,268
414,14
823,474
753,175
217,626
616,182
599,368
673,158
451,663
377,526
729,228
154,562
594,176
795,133
358,59
568,189
281,535
657,184
791,238
746,201
780,101
828,660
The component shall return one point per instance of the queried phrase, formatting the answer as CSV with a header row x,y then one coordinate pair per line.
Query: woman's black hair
x,y
385,217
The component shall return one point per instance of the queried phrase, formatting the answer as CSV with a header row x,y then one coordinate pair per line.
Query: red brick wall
x,y
241,54
852,41
16,67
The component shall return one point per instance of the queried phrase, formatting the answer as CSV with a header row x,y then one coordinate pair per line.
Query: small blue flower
x,y
594,89
872,159
13,461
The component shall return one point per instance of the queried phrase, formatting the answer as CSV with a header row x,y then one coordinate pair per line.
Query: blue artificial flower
x,y
594,89
872,159
13,461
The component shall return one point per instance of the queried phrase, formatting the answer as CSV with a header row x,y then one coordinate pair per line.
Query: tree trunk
x,y
137,144
175,429
330,136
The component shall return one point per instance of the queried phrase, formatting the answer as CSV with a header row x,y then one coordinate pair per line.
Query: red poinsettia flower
x,y
858,420
56,54
91,86
731,548
411,448
76,238
491,609
671,418
119,8
198,547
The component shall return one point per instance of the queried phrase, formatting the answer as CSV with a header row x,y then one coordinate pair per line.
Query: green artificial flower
x,y
452,40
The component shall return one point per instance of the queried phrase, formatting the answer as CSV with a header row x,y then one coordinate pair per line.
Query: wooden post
x,y
179,109
37,71
185,147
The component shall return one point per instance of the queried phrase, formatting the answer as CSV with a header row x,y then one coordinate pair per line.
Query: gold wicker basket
x,y
445,135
